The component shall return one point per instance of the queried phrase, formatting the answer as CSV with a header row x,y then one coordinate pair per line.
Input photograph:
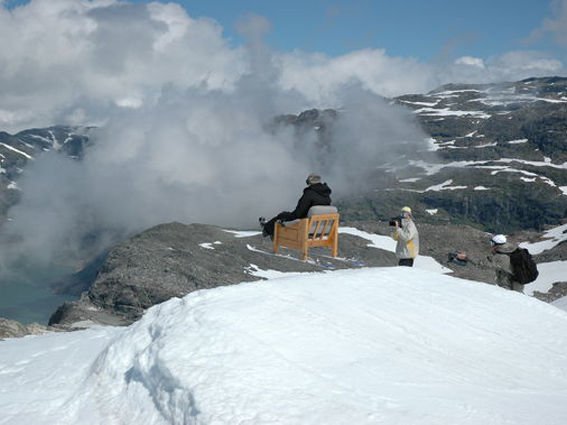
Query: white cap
x,y
498,239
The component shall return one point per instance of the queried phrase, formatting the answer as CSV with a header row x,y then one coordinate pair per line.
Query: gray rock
x,y
172,260
13,329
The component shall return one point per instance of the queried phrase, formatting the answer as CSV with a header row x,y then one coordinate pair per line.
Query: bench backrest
x,y
321,209
321,226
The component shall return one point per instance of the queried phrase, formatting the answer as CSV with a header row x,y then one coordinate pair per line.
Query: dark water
x,y
28,297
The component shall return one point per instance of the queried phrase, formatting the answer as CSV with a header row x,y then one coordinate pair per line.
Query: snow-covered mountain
x,y
369,346
26,145
498,155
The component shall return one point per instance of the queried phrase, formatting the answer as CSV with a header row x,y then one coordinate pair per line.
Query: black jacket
x,y
315,194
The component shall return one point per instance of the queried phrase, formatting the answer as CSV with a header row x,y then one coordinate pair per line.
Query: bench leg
x,y
276,238
335,249
304,252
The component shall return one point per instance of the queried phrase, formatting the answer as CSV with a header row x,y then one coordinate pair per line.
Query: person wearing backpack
x,y
500,258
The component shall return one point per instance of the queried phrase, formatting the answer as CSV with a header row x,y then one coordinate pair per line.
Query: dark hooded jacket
x,y
315,194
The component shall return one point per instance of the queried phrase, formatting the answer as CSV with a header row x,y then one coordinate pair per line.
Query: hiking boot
x,y
262,221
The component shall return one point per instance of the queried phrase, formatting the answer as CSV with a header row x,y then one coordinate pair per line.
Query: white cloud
x,y
58,57
557,25
510,66
471,61
526,62
319,76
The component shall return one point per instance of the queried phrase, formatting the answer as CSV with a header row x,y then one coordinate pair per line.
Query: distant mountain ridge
x,y
17,150
497,158
505,150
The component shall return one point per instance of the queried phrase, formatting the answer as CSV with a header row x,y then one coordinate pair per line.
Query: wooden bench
x,y
317,230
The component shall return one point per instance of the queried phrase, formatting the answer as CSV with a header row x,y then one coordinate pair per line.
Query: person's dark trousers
x,y
408,262
269,226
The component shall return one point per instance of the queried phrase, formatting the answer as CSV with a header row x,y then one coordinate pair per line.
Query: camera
x,y
395,220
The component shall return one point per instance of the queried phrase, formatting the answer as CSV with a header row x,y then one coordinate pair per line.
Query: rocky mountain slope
x,y
172,260
13,329
502,153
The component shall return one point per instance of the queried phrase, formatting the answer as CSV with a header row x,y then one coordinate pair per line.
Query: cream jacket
x,y
407,238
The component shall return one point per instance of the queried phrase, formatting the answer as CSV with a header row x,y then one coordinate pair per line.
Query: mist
x,y
184,130
200,156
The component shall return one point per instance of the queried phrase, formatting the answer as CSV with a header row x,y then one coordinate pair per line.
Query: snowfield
x,y
368,346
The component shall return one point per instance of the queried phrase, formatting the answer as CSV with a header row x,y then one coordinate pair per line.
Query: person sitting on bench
x,y
316,193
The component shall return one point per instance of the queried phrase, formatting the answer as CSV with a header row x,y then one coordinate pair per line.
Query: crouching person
x,y
500,258
407,237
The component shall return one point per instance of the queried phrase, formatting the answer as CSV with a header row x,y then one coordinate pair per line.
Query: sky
x,y
429,31
367,346
435,30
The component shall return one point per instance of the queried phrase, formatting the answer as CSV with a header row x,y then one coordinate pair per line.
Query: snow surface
x,y
431,169
446,185
549,273
561,303
19,152
446,112
367,346
390,345
243,233
388,244
552,238
209,245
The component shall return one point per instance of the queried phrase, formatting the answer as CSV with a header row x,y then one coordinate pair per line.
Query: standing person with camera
x,y
407,237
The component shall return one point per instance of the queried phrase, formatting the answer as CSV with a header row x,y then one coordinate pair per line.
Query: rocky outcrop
x,y
172,260
13,329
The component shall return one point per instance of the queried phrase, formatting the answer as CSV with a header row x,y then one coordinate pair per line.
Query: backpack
x,y
523,266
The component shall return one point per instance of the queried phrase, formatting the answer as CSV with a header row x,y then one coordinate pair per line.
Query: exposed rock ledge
x,y
172,260
13,329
